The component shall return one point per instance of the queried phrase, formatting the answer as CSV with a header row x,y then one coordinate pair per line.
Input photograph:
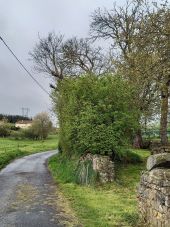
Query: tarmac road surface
x,y
27,193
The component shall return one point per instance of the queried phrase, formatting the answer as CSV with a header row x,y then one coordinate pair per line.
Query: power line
x,y
25,111
36,81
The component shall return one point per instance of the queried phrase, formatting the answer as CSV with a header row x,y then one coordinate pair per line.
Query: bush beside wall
x,y
96,114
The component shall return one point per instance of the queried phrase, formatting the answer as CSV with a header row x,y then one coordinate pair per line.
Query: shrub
x,y
41,126
96,114
4,128
29,133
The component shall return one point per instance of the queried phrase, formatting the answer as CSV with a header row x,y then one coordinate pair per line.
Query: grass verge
x,y
11,148
102,206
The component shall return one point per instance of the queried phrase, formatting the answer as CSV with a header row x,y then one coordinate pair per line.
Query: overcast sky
x,y
20,23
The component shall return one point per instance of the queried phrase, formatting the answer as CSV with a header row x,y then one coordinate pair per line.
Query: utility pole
x,y
25,111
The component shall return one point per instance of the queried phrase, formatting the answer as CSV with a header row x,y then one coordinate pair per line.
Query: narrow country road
x,y
28,196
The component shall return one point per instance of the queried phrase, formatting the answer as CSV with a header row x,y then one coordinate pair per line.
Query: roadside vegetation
x,y
113,204
98,119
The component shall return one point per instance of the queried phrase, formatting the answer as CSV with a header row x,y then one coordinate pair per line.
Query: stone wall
x,y
157,148
101,165
154,192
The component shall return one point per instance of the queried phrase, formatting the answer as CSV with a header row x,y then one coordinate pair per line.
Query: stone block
x,y
157,160
102,165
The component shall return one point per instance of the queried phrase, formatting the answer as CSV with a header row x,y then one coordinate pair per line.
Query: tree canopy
x,y
140,49
96,114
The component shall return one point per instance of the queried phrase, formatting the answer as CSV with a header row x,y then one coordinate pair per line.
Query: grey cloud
x,y
20,23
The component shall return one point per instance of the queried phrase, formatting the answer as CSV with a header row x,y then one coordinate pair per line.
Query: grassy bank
x,y
110,205
11,148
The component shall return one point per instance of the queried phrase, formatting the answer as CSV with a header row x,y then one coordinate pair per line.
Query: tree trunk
x,y
138,141
164,115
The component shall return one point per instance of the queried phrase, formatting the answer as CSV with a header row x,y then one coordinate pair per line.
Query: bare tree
x,y
83,58
48,56
119,24
59,58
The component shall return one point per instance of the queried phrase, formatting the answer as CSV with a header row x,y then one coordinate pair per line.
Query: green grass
x,y
101,206
11,148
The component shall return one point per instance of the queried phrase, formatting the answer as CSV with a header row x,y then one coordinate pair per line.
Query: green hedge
x,y
96,114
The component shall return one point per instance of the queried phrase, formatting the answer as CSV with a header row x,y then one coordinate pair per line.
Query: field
x,y
102,206
11,148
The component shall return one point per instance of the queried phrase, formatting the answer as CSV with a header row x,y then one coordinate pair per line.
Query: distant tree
x,y
41,126
4,128
13,118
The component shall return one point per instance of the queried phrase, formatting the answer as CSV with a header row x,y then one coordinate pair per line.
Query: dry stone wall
x,y
102,165
157,148
154,192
